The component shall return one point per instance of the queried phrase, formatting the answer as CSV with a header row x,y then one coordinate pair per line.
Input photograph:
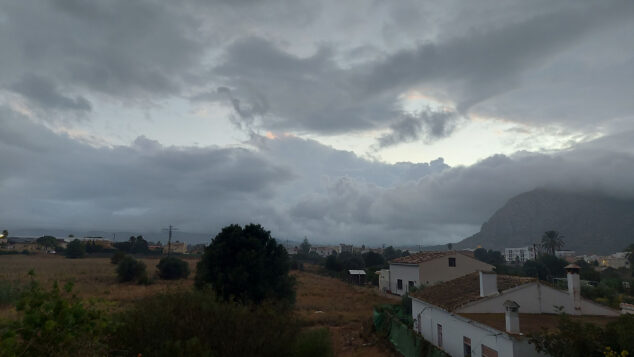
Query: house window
x,y
452,262
440,335
466,342
399,284
411,284
488,352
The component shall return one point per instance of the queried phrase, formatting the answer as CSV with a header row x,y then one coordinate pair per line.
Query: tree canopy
x,y
304,248
134,245
75,249
47,241
552,241
246,265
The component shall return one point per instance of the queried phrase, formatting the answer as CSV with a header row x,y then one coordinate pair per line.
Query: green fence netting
x,y
389,322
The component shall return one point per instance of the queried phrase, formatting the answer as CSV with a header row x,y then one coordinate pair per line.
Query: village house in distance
x,y
428,268
488,315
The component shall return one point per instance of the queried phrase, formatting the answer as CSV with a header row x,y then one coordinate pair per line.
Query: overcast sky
x,y
398,122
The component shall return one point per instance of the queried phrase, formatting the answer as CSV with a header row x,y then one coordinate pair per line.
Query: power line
x,y
169,240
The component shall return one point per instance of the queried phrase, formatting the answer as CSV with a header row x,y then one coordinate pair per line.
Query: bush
x,y
313,343
54,323
197,323
75,249
117,257
130,269
171,268
9,292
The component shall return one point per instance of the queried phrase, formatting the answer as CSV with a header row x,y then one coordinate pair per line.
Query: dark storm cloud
x,y
293,186
428,125
136,50
48,179
307,67
451,204
44,93
531,62
286,91
315,93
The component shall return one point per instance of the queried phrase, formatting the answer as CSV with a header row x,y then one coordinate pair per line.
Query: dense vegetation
x,y
577,339
244,313
247,265
75,249
170,268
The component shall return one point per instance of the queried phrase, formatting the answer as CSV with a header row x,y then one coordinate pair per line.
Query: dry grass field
x,y
321,301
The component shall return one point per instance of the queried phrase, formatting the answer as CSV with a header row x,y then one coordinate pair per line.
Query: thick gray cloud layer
x,y
295,187
316,68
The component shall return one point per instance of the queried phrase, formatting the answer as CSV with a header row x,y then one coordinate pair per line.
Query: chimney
x,y
488,283
512,316
574,286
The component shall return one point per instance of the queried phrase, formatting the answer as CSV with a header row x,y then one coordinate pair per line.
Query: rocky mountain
x,y
590,223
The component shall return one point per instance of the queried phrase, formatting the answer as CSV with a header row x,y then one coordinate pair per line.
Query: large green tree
x,y
552,241
47,241
75,249
246,265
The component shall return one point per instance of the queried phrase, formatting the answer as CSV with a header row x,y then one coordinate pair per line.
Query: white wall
x,y
406,273
455,328
438,270
536,298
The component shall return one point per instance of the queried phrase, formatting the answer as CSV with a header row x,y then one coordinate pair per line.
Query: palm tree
x,y
552,241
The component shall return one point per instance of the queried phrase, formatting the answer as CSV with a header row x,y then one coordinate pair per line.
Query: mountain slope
x,y
590,223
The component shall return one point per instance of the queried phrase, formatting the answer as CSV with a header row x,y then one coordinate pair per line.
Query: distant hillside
x,y
590,223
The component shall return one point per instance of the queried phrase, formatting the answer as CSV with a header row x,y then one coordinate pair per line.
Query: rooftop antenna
x,y
169,240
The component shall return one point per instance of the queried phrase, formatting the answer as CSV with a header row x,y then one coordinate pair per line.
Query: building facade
x,y
521,255
479,314
428,268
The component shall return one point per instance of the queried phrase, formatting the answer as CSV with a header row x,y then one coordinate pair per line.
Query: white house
x,y
485,314
323,251
431,267
522,254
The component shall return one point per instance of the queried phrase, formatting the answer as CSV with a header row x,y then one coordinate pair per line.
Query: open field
x,y
321,301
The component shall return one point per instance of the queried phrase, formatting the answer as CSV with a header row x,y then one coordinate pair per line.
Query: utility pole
x,y
169,239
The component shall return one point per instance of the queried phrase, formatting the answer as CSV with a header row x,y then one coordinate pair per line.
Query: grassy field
x,y
321,301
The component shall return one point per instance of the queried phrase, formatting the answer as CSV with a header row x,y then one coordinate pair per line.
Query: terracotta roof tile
x,y
422,257
536,322
455,293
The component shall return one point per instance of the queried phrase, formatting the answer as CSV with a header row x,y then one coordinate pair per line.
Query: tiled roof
x,y
455,293
530,323
422,257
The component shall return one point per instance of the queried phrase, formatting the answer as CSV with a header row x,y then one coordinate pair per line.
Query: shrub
x,y
54,323
313,343
75,249
130,269
197,323
117,257
9,292
171,268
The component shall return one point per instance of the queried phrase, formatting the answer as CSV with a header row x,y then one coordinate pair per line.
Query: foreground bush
x,y
197,323
54,323
130,269
313,343
171,268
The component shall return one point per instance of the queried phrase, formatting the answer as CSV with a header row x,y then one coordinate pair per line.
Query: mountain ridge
x,y
590,222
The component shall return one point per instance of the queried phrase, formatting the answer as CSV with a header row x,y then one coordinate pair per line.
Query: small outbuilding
x,y
356,276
